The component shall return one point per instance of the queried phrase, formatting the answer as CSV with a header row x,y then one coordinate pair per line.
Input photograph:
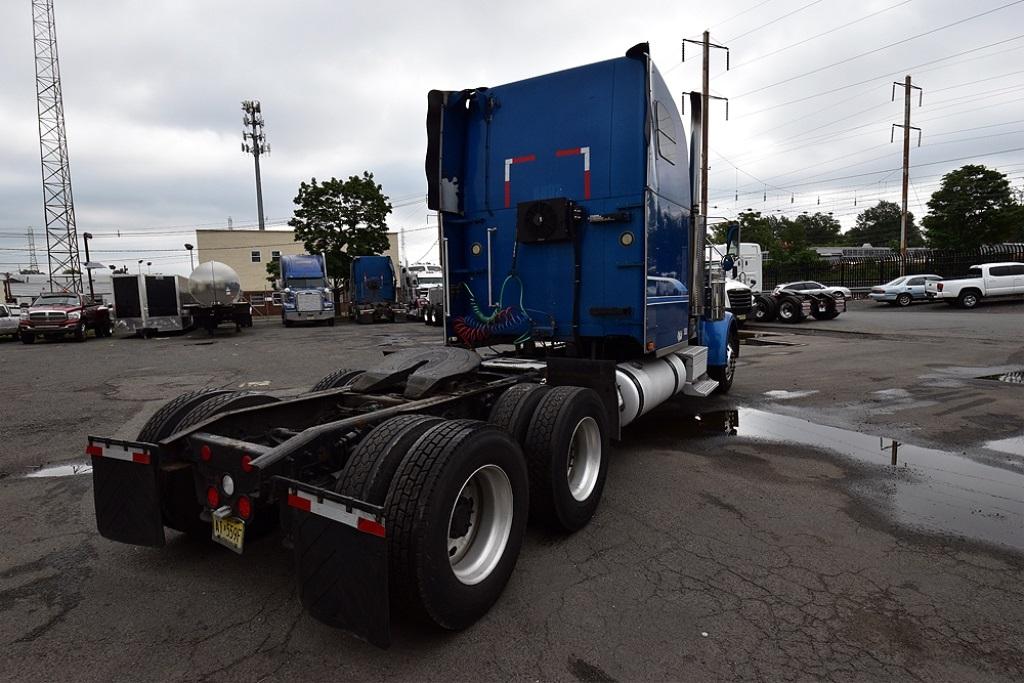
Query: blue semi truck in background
x,y
373,290
305,294
572,253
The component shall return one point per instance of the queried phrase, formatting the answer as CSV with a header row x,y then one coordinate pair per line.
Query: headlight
x,y
74,315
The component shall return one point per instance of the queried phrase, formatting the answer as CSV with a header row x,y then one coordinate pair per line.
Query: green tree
x,y
273,272
972,207
879,226
342,219
820,229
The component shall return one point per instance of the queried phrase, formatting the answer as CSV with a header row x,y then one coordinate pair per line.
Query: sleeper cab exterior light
x,y
626,239
477,249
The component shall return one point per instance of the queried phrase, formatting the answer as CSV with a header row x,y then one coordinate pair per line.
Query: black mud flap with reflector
x,y
126,490
341,559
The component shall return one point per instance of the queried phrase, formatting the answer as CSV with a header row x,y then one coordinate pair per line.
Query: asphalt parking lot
x,y
770,538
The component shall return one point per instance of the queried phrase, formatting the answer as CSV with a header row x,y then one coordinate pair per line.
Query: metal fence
x,y
865,272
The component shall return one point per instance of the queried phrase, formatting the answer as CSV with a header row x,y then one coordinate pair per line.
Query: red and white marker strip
x,y
117,452
585,151
508,174
301,500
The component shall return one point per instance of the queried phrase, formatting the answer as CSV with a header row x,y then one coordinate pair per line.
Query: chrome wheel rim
x,y
970,300
584,458
785,312
479,524
730,361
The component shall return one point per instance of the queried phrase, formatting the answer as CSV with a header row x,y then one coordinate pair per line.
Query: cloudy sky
x,y
152,92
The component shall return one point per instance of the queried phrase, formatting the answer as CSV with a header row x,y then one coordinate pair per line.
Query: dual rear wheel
x,y
457,494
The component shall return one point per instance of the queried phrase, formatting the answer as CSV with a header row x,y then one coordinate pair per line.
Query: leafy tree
x,y
273,272
784,239
879,226
972,207
341,219
820,229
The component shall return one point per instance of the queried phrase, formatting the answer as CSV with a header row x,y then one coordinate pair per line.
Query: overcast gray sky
x,y
152,92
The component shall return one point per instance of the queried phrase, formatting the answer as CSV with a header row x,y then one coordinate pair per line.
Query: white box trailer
x,y
147,304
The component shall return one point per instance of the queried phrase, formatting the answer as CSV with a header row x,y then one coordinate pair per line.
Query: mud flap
x,y
126,491
340,558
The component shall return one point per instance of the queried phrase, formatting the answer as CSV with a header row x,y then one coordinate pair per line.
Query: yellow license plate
x,y
229,532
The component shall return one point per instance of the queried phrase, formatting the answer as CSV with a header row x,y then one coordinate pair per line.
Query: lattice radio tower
x,y
58,202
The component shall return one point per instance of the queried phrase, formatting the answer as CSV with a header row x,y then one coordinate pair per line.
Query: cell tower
x,y
254,142
33,260
58,202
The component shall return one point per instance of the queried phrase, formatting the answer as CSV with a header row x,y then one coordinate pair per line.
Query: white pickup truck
x,y
982,282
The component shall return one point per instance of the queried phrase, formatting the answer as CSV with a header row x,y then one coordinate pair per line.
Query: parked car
x,y
811,287
8,321
58,314
982,282
902,291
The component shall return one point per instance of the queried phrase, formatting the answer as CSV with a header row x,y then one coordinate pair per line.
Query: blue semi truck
x,y
305,295
572,253
373,290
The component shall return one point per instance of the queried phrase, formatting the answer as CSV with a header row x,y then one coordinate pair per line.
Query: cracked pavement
x,y
709,558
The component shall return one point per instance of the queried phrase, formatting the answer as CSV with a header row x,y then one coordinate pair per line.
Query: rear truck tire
x,y
765,309
336,379
824,308
515,407
368,473
724,374
904,300
839,295
790,310
179,505
456,515
969,298
27,338
567,456
428,316
164,421
222,404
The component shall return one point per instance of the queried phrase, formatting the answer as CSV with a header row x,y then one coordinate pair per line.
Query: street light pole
x,y
86,236
140,266
191,260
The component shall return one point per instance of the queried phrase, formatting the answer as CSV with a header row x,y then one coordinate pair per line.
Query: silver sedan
x,y
902,291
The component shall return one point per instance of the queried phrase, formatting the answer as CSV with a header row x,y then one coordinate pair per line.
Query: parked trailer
x,y
216,297
412,482
146,305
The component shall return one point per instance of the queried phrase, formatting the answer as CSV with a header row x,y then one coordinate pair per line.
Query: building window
x,y
255,254
275,256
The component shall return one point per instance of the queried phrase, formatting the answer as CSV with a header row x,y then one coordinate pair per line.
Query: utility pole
x,y
256,145
908,87
705,102
58,201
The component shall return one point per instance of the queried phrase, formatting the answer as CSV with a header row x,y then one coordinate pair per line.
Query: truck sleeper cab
x,y
305,295
413,480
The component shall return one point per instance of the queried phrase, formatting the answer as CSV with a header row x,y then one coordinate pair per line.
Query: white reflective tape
x,y
337,512
508,170
585,151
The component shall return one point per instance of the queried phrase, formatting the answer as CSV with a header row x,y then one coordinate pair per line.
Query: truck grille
x,y
740,299
308,301
48,316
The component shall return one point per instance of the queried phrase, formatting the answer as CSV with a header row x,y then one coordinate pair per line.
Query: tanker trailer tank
x,y
217,297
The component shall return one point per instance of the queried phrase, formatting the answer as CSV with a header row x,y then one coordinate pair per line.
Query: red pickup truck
x,y
59,314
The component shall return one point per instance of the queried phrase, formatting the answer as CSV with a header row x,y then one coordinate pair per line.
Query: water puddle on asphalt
x,y
68,470
925,488
785,394
1014,377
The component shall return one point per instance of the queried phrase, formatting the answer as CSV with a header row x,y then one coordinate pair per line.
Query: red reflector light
x,y
94,451
299,502
371,527
939,286
212,498
244,507
205,453
246,463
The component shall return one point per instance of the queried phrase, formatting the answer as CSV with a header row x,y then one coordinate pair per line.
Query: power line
x,y
819,35
739,14
773,21
879,49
